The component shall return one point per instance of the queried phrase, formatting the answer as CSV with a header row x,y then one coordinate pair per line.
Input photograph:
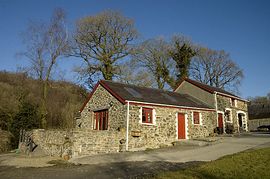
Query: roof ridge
x,y
212,88
143,87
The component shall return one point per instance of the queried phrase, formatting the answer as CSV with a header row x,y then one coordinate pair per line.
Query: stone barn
x,y
146,117
121,117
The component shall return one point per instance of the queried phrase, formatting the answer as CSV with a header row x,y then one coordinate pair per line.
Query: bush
x,y
229,128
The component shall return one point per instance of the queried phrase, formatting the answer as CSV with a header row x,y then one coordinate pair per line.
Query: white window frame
x,y
245,121
235,102
153,116
231,119
200,118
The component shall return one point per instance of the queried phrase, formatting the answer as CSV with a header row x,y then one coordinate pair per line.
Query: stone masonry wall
x,y
88,142
53,142
255,123
164,131
78,142
225,102
84,140
207,127
102,99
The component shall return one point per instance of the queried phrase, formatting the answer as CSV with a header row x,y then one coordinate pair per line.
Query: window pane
x,y
97,120
147,115
196,118
143,116
101,120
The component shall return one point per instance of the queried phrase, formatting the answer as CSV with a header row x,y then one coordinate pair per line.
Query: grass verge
x,y
248,164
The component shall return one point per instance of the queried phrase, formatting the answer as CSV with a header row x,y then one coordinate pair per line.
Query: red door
x,y
220,120
181,126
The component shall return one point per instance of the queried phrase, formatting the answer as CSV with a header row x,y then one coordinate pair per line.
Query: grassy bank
x,y
248,164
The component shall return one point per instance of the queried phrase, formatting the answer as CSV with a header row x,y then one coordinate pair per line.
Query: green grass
x,y
246,165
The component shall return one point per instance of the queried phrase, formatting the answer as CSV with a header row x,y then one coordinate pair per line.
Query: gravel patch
x,y
19,160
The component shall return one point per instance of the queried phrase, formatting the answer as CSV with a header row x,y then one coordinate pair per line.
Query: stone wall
x,y
77,142
102,99
53,142
225,102
164,130
84,140
255,123
5,141
88,142
209,123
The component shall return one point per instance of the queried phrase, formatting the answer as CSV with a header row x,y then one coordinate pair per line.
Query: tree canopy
x,y
102,40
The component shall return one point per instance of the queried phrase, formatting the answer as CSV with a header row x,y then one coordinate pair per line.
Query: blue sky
x,y
240,27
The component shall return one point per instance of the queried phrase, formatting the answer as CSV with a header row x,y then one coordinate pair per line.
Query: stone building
x,y
147,118
231,110
259,116
120,117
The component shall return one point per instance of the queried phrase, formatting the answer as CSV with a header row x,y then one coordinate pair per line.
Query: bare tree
x,y
154,56
217,69
260,99
45,44
102,40
132,73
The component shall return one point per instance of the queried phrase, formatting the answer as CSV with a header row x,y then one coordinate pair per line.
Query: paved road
x,y
227,145
137,164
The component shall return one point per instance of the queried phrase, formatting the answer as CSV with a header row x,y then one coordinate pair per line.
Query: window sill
x,y
148,124
100,130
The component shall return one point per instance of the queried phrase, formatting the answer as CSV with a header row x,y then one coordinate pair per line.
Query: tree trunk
x,y
43,105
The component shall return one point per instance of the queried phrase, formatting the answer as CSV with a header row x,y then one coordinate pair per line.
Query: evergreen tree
x,y
182,54
27,118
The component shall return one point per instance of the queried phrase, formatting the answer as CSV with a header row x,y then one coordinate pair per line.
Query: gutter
x,y
235,97
170,106
127,126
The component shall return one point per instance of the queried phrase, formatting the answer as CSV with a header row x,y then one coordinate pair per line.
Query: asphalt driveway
x,y
138,164
226,146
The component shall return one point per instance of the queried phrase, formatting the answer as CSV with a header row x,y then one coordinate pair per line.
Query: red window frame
x,y
101,120
147,115
196,118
